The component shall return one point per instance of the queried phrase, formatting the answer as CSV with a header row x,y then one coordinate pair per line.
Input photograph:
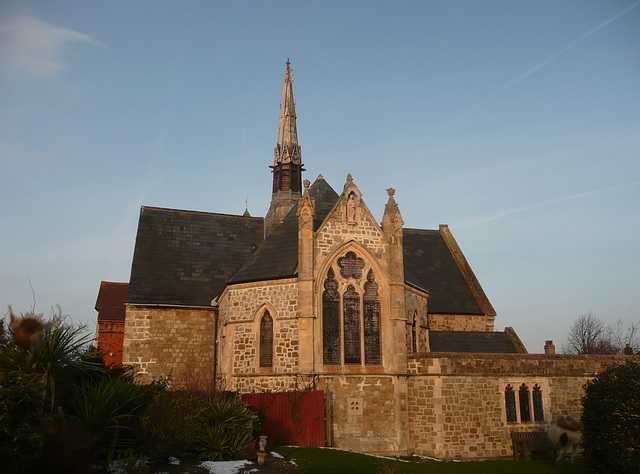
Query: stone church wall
x,y
241,308
416,306
337,232
169,341
363,412
456,403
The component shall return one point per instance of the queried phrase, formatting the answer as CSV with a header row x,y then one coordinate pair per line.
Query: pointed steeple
x,y
287,159
287,148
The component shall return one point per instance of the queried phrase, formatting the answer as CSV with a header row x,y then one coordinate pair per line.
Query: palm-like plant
x,y
225,428
63,356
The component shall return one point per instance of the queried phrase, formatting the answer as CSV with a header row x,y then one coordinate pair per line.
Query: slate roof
x,y
325,198
428,264
111,299
471,341
277,257
187,257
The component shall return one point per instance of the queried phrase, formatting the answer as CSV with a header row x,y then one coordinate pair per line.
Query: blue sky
x,y
516,123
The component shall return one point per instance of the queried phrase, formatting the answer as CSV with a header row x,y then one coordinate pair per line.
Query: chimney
x,y
549,348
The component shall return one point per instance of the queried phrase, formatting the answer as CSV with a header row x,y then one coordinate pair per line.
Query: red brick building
x,y
111,314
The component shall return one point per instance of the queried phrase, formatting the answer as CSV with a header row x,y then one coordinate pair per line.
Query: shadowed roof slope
x,y
471,341
111,299
325,198
187,257
277,257
429,265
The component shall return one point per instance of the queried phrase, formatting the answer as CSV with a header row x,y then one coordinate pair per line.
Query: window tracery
x,y
351,266
351,312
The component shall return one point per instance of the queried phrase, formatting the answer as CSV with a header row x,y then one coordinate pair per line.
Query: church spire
x,y
287,148
287,159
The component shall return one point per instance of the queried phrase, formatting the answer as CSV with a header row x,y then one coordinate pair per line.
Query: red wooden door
x,y
291,418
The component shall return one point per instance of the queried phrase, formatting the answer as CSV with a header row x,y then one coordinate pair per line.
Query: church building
x,y
390,322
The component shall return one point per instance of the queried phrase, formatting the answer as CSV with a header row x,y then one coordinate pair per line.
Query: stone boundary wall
x,y
162,341
460,322
456,401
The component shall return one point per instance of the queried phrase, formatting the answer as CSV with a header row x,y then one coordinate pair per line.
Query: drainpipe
x,y
216,313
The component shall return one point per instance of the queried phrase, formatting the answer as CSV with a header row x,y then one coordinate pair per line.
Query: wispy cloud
x,y
557,54
33,48
515,210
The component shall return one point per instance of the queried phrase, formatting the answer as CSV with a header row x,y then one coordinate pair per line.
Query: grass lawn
x,y
334,461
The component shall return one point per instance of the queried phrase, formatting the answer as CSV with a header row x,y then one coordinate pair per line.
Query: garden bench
x,y
529,443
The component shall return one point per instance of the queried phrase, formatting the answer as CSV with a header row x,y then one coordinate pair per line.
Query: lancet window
x,y
538,412
351,312
266,340
523,398
510,404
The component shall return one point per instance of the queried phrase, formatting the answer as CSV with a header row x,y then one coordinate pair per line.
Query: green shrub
x,y
611,418
225,428
23,420
109,409
168,426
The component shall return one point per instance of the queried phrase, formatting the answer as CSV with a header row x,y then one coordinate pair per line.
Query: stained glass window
x,y
351,316
331,320
525,409
371,321
266,340
351,266
510,404
538,412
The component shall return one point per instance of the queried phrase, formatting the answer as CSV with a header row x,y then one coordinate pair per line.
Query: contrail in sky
x,y
516,210
558,53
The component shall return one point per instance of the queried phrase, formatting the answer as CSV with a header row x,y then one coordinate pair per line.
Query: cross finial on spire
x,y
288,76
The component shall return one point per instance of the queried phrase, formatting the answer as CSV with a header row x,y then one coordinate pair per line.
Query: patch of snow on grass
x,y
224,467
276,455
174,461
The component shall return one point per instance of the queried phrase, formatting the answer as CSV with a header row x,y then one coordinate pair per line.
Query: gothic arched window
x,y
331,353
351,315
371,321
523,398
266,340
510,404
538,412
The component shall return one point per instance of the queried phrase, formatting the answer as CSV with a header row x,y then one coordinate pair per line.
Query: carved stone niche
x,y
352,197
